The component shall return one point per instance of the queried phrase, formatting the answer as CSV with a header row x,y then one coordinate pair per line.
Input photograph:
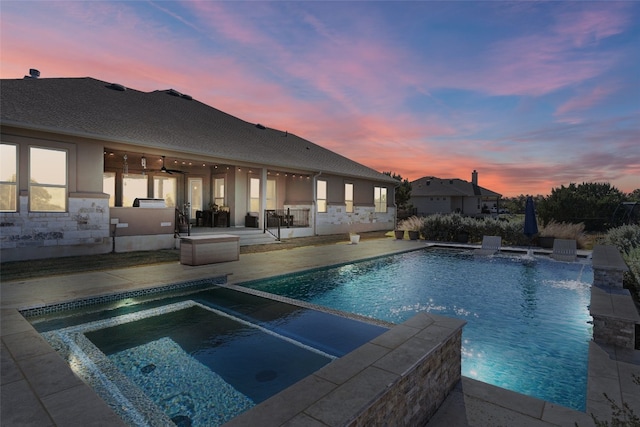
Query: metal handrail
x,y
272,224
275,219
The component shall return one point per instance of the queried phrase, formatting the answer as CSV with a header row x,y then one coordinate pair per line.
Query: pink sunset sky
x,y
532,95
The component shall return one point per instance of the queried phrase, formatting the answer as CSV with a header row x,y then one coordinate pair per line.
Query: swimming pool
x,y
528,324
197,358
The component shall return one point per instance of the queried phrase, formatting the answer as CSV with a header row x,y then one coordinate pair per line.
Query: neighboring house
x,y
430,195
77,153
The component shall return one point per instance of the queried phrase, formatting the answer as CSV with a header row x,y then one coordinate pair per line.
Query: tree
x,y
516,204
590,203
634,196
403,191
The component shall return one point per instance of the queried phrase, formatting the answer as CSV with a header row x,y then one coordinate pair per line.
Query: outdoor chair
x,y
564,250
490,245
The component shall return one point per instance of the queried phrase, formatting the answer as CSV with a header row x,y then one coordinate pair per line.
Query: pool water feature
x,y
528,324
199,358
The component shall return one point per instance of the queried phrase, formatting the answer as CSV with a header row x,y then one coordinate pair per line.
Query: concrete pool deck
x,y
39,388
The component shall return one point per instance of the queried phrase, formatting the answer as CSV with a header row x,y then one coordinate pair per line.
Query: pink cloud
x,y
585,100
223,21
343,92
589,26
540,63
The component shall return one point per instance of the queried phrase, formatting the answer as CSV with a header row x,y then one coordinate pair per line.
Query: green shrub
x,y
446,228
565,230
626,237
412,223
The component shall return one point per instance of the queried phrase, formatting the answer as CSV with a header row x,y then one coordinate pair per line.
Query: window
x,y
134,186
348,197
380,199
254,195
195,196
271,194
321,196
218,191
165,188
109,187
8,178
47,180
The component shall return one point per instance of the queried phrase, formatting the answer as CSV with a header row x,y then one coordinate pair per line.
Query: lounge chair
x,y
490,245
564,250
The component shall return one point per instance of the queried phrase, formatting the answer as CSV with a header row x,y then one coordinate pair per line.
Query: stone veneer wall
x,y
363,218
397,379
612,308
608,278
83,230
416,396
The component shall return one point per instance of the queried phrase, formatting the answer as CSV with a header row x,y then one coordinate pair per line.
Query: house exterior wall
x,y
363,219
471,205
428,205
299,192
83,229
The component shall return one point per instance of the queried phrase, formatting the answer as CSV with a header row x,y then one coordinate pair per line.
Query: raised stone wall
x,y
416,396
398,379
614,313
608,278
83,230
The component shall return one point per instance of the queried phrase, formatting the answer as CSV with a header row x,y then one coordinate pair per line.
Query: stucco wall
x,y
426,206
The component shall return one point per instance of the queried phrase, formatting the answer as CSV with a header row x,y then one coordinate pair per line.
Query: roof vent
x,y
33,74
188,97
259,126
117,86
174,92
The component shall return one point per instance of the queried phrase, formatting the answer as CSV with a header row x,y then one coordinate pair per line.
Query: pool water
x,y
200,358
528,324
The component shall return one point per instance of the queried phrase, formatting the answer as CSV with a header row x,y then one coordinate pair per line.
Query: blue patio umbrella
x,y
530,223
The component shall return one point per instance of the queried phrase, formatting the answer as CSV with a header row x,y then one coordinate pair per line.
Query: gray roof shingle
x,y
161,119
432,186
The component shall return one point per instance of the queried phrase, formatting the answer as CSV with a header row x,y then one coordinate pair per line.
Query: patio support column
x,y
263,196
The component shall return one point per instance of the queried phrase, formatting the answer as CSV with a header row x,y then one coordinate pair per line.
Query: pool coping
x,y
38,386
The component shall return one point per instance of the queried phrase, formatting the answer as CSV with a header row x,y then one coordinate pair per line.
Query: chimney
x,y
474,177
33,74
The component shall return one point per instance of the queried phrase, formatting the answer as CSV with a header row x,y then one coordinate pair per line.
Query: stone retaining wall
x,y
398,379
614,313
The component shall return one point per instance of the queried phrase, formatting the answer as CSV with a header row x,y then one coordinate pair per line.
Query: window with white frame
x,y
8,178
166,188
348,197
195,198
271,194
254,195
134,186
218,191
109,186
321,195
380,199
47,180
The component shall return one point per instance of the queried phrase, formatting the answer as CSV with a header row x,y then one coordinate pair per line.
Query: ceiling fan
x,y
169,171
